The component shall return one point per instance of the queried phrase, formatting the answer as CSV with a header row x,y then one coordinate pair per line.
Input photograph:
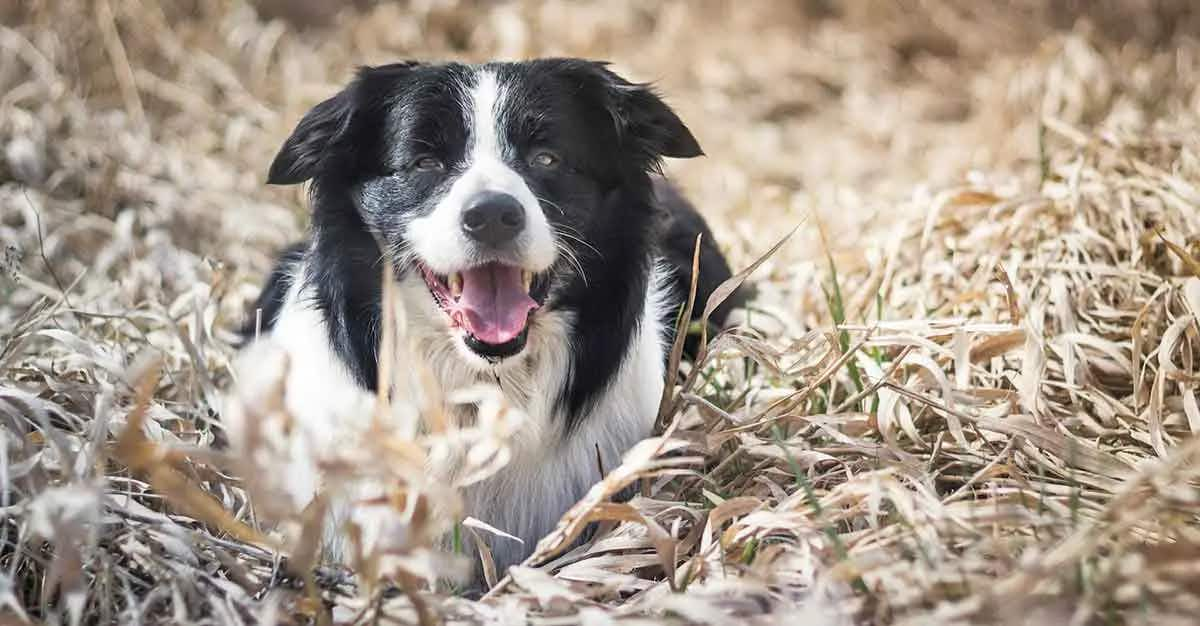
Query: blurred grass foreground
x,y
966,391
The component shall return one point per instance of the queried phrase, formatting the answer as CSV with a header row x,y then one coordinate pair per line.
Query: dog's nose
x,y
493,218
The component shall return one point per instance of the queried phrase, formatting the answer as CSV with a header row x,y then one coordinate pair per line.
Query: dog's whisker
x,y
551,203
401,254
579,239
570,257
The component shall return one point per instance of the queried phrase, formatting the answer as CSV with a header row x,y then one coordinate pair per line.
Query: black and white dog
x,y
534,244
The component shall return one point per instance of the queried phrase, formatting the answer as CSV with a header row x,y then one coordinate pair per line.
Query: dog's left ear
x,y
655,124
645,121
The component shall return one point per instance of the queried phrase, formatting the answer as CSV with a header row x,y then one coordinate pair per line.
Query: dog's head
x,y
492,183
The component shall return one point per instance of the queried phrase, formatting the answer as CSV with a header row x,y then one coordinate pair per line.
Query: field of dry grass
x,y
966,391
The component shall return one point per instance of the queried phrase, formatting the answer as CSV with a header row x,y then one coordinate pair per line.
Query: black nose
x,y
493,218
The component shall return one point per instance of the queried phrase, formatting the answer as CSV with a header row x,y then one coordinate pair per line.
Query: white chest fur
x,y
549,470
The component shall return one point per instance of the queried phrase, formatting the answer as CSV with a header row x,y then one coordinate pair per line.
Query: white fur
x,y
320,390
329,408
548,472
438,239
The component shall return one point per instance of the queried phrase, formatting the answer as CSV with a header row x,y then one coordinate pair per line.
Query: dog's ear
x,y
650,120
323,137
308,148
644,121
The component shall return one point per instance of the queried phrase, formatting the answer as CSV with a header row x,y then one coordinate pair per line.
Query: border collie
x,y
535,246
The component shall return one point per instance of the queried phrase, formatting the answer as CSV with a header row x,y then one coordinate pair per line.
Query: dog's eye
x,y
544,159
429,164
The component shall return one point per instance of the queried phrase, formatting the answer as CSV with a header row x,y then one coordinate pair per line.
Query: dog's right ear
x,y
310,145
323,138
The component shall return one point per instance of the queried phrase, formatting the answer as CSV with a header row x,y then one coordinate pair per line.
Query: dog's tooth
x,y
456,284
526,279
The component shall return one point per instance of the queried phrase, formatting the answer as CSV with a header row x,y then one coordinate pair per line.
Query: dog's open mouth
x,y
492,303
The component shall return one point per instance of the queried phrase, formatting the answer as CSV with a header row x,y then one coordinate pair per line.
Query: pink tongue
x,y
494,304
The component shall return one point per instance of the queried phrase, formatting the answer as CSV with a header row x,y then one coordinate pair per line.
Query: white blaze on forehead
x,y
437,238
485,118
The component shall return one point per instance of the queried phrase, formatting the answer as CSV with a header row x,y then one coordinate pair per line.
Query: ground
x,y
966,391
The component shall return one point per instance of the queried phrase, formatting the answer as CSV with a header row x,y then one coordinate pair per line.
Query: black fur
x,y
677,233
270,300
611,135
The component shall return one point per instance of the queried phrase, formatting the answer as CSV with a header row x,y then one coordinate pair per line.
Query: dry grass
x,y
966,393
